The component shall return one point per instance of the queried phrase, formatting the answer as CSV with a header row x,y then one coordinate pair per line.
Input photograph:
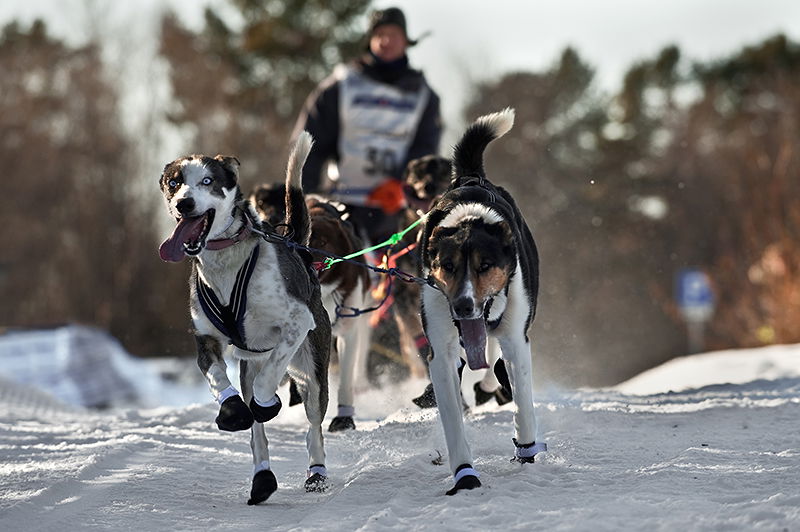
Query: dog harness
x,y
229,319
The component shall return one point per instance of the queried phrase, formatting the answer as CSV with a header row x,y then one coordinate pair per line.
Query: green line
x,y
392,240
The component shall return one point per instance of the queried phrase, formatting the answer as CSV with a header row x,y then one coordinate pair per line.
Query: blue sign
x,y
694,295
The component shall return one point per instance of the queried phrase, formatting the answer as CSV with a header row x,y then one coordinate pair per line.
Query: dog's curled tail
x,y
297,217
468,153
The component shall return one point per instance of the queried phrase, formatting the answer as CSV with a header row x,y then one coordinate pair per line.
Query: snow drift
x,y
713,457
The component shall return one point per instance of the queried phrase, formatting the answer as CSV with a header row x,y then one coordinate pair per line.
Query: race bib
x,y
378,124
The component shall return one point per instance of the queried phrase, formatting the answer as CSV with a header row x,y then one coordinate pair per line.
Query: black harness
x,y
229,319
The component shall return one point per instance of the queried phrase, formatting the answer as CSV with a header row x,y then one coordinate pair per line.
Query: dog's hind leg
x,y
489,387
310,369
447,386
352,346
264,481
233,412
413,344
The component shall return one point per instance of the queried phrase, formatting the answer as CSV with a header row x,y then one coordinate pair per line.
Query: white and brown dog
x,y
345,289
480,254
256,294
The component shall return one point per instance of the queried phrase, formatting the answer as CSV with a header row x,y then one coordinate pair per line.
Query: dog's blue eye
x,y
207,181
172,183
484,267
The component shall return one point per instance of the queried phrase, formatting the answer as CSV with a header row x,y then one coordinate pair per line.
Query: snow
x,y
718,452
735,366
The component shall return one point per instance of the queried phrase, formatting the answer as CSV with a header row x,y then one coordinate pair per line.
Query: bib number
x,y
380,162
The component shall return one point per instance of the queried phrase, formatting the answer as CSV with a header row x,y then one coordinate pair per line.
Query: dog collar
x,y
222,243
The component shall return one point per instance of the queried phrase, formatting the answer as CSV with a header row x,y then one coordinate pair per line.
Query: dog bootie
x,y
267,411
525,453
264,485
317,481
343,419
427,399
501,395
234,415
340,423
466,479
481,396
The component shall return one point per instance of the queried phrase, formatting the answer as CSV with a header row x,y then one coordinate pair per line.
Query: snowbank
x,y
723,457
737,366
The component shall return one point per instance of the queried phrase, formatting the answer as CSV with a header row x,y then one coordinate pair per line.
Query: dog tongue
x,y
473,334
187,230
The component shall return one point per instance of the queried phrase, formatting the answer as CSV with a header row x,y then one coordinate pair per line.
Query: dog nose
x,y
464,307
185,206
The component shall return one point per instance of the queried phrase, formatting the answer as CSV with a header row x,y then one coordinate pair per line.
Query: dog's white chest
x,y
261,310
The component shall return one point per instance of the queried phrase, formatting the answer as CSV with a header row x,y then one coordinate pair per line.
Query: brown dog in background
x,y
345,287
424,180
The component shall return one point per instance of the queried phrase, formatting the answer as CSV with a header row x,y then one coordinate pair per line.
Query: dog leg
x,y
317,473
348,356
446,384
489,387
484,388
264,481
265,403
517,355
412,343
312,382
233,412
352,345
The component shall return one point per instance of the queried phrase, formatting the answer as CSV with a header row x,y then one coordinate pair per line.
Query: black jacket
x,y
320,117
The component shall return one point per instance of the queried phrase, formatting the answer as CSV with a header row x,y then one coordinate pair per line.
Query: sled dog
x,y
481,257
255,297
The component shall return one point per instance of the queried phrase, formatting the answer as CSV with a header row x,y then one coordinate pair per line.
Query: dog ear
x,y
167,167
502,232
439,232
230,164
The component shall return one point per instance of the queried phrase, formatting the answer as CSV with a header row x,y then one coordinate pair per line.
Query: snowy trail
x,y
717,458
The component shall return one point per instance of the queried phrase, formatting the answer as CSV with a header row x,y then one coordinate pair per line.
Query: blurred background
x,y
656,156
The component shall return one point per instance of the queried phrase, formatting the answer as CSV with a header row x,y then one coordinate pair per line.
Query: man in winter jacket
x,y
368,119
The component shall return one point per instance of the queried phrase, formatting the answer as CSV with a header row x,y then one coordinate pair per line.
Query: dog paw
x,y
264,485
501,395
340,423
481,396
316,483
262,414
427,399
525,453
234,415
466,479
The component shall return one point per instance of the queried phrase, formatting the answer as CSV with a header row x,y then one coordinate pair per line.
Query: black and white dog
x,y
262,298
480,254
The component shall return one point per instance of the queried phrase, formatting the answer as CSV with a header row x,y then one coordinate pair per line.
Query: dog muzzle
x,y
188,237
